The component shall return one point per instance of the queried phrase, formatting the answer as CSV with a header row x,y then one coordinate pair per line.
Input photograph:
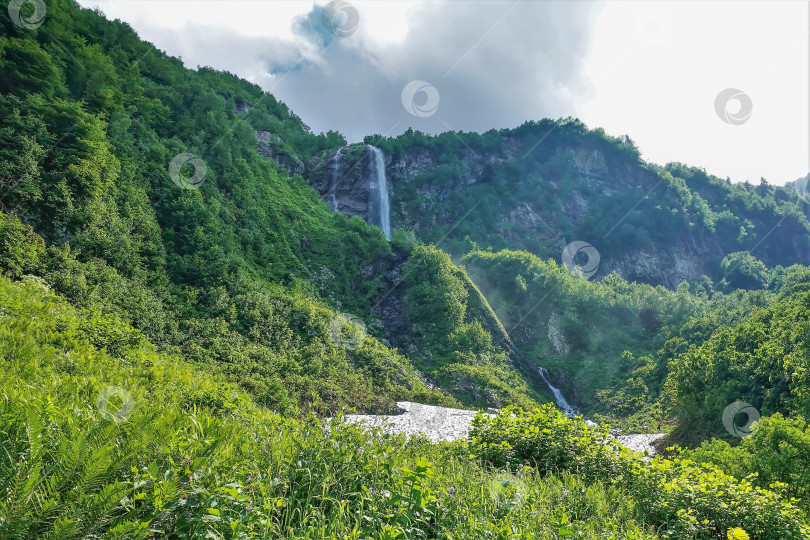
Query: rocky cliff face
x,y
419,195
342,179
666,265
271,146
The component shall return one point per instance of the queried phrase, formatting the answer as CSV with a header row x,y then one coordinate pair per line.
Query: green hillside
x,y
529,187
245,274
105,436
180,314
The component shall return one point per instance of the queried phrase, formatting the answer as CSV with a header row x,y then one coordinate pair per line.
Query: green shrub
x,y
191,456
778,450
681,498
20,247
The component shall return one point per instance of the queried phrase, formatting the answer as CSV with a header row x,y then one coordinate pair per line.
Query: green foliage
x,y
763,361
778,450
549,441
615,344
528,187
242,276
679,497
599,336
20,247
744,271
274,341
436,296
192,456
25,68
447,313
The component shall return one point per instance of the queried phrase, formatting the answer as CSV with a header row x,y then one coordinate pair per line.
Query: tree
x,y
26,69
744,271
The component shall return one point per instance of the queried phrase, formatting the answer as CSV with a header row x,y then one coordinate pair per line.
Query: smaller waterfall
x,y
379,207
333,186
559,399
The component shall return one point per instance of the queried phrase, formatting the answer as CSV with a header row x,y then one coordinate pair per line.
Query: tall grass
x,y
196,458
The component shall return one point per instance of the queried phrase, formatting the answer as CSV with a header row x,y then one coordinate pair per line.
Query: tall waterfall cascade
x,y
559,399
379,207
333,185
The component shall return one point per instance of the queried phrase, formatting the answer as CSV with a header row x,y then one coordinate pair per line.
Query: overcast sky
x,y
652,70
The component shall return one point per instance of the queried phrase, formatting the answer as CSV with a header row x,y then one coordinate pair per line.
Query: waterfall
x,y
559,399
379,208
333,186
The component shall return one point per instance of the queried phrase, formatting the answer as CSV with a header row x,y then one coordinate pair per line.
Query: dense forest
x,y
183,323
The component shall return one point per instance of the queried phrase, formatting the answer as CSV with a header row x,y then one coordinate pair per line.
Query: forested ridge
x,y
171,354
584,184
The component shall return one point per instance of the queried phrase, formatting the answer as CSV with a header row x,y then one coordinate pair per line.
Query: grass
x,y
180,453
196,458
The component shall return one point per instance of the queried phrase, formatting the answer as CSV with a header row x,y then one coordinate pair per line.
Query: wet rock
x,y
340,177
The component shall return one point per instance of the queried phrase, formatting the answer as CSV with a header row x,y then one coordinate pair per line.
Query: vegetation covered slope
x,y
212,306
139,444
615,346
764,361
101,435
546,183
245,273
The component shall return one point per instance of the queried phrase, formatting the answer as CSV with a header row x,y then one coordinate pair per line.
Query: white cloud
x,y
661,90
650,70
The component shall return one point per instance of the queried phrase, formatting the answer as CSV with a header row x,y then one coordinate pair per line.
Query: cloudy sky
x,y
721,85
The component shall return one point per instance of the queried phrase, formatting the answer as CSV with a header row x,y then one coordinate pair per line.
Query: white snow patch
x,y
447,424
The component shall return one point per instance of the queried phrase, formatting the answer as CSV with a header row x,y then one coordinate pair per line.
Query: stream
x,y
638,442
559,399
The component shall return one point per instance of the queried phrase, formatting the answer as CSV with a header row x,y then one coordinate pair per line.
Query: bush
x,y
681,498
187,455
778,450
20,246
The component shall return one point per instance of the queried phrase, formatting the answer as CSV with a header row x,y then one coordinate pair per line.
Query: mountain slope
x,y
170,277
102,435
164,195
545,184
